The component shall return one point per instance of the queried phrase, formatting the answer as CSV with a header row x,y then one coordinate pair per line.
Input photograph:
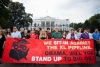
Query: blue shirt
x,y
96,35
16,34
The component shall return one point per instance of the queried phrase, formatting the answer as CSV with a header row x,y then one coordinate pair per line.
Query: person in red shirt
x,y
33,35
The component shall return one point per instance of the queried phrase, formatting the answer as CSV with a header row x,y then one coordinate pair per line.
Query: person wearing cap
x,y
85,34
56,34
71,35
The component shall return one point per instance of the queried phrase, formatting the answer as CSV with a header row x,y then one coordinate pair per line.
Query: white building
x,y
49,22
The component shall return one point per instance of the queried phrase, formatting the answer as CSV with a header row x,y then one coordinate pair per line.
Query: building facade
x,y
49,22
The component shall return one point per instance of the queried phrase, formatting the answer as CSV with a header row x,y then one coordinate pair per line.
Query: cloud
x,y
74,10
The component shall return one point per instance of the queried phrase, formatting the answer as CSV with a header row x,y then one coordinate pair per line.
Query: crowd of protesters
x,y
46,34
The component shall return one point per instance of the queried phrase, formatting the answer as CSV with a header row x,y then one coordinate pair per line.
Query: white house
x,y
49,22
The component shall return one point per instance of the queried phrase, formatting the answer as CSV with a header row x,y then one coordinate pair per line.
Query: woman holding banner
x,y
79,32
33,35
85,34
2,41
25,35
71,35
8,33
64,35
56,34
43,35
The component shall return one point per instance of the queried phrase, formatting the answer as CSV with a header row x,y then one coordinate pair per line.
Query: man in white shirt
x,y
15,33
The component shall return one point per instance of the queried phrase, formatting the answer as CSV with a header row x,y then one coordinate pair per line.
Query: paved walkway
x,y
38,65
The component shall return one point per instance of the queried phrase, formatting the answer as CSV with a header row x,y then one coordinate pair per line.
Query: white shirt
x,y
69,35
90,36
16,34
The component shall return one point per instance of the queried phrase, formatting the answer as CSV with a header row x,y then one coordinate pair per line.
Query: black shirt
x,y
43,38
2,39
26,36
22,33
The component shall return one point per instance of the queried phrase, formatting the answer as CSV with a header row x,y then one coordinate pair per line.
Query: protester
x,y
49,34
43,35
33,35
39,30
90,34
25,35
96,37
85,34
71,35
8,33
79,32
56,34
2,42
15,33
64,35
22,31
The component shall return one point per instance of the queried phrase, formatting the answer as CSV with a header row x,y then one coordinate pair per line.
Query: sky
x,y
74,10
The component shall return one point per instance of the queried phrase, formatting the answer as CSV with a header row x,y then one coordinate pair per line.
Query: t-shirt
x,y
49,35
79,35
16,34
85,36
33,36
26,36
64,37
72,37
56,35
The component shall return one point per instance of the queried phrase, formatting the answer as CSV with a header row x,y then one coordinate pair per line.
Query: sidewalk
x,y
38,65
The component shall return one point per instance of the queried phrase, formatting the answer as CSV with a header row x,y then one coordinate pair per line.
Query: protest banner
x,y
54,51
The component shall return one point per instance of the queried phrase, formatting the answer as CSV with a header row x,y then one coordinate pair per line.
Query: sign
x,y
54,51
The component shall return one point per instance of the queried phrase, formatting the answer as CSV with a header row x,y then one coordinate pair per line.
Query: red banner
x,y
49,51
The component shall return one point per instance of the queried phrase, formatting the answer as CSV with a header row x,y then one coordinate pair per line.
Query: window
x,y
42,23
48,24
52,24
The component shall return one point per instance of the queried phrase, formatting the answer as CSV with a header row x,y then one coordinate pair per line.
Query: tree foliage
x,y
18,15
4,12
13,13
92,22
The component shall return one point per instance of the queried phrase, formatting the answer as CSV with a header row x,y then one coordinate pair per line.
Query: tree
x,y
94,22
4,12
18,15
73,25
86,24
80,25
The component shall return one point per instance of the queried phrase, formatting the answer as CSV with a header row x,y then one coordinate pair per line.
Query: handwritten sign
x,y
49,51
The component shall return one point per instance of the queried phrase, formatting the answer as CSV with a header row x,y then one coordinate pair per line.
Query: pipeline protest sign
x,y
53,51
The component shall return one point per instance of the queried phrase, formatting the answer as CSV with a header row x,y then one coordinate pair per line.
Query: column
x,y
50,25
45,25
